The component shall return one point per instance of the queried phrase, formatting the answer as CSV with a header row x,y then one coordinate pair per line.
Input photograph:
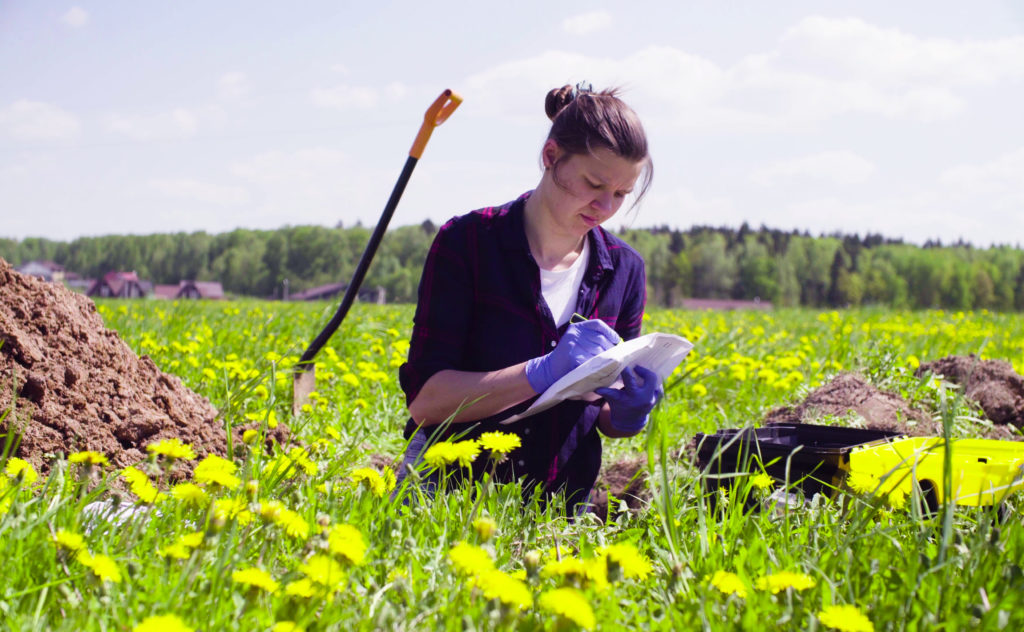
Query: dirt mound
x,y
67,383
849,393
993,384
624,480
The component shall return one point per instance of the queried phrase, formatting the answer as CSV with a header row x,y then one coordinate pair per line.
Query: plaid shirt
x,y
480,309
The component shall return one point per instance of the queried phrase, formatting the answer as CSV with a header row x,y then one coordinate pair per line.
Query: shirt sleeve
x,y
443,312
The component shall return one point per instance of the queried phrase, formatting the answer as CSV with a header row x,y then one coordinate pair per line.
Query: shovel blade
x,y
303,383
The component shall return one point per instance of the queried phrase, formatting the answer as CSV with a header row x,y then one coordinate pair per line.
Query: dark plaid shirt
x,y
481,309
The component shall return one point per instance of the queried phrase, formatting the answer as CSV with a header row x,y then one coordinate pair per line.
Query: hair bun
x,y
557,99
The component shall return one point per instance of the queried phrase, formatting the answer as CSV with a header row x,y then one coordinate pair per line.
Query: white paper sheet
x,y
657,352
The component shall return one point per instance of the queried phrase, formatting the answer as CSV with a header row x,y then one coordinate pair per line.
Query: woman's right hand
x,y
580,342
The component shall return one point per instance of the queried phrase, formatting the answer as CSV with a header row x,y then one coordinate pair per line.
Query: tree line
x,y
787,268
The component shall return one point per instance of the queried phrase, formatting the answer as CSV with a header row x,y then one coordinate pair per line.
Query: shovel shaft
x,y
437,113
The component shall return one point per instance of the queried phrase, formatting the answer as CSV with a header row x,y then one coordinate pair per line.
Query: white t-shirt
x,y
560,288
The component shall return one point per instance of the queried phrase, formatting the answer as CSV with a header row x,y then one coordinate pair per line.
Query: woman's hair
x,y
583,121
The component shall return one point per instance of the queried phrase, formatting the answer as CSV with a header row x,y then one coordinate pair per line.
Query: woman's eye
x,y
593,185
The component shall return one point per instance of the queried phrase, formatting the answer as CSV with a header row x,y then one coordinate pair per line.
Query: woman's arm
x,y
475,395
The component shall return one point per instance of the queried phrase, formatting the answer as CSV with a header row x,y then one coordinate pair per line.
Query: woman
x,y
499,287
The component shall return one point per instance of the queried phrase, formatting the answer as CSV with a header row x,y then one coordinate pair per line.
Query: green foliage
x,y
789,269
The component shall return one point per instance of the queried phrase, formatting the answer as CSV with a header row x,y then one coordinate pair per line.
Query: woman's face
x,y
585,190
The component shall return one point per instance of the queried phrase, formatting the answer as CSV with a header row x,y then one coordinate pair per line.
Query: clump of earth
x,y
68,384
850,394
621,481
992,384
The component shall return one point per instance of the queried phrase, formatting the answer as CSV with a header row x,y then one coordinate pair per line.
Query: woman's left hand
x,y
631,405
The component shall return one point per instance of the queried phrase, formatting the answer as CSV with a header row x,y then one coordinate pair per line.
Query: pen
x,y
579,318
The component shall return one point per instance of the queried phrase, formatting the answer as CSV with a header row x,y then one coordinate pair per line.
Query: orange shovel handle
x,y
437,113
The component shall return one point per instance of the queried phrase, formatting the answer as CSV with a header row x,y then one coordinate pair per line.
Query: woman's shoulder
x,y
485,217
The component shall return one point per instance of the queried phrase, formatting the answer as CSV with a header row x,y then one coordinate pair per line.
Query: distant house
x,y
724,304
119,285
190,290
331,290
46,270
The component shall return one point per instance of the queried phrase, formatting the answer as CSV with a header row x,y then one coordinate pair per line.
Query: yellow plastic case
x,y
985,471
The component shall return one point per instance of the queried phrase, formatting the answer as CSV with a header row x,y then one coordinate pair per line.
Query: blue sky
x,y
142,117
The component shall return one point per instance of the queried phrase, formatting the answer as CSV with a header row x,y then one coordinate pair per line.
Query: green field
x,y
308,539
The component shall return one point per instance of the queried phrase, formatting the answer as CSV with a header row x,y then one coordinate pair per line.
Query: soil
x,y
992,384
67,383
624,480
850,393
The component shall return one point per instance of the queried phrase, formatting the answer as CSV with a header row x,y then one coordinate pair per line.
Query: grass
x,y
901,569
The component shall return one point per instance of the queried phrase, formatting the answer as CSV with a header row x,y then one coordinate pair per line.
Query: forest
x,y
788,269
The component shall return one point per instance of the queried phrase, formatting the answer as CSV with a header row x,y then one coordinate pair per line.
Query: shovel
x,y
304,381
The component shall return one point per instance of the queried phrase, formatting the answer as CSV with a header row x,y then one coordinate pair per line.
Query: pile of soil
x,y
624,480
993,384
67,383
850,393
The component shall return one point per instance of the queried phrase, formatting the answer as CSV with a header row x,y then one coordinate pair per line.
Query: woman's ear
x,y
550,153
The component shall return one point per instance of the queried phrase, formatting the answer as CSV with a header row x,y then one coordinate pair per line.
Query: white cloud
x,y
821,68
76,17
854,48
587,23
345,97
176,123
836,167
204,192
232,85
34,120
996,185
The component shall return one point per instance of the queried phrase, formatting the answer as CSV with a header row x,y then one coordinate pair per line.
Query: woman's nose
x,y
603,201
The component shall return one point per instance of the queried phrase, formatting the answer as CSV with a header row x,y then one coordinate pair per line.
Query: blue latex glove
x,y
580,342
632,404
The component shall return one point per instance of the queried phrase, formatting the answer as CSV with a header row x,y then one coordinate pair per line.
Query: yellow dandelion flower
x,y
162,623
761,480
570,604
350,379
232,508
193,540
510,591
470,559
347,541
69,540
20,467
699,390
217,470
287,626
323,570
466,452
300,588
190,494
439,455
778,582
88,457
845,618
141,485
177,550
485,528
255,577
172,449
499,443
625,556
861,482
729,583
565,567
101,566
371,478
249,436
294,525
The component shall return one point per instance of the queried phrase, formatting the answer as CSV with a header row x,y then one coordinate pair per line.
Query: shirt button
x,y
521,463
554,344
526,431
